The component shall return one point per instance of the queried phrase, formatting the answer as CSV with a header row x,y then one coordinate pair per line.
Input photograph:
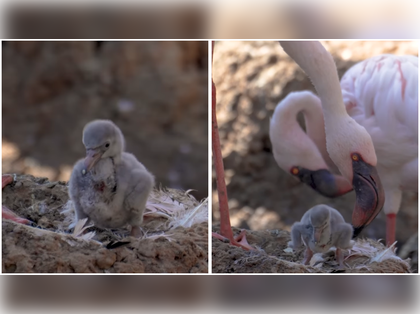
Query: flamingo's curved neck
x,y
307,104
315,128
317,62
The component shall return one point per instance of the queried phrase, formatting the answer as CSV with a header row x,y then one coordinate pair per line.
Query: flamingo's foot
x,y
220,237
240,240
6,179
7,213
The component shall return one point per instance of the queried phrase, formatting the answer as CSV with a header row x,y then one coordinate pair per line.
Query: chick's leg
x,y
136,201
136,232
339,257
308,256
296,236
390,229
344,232
296,241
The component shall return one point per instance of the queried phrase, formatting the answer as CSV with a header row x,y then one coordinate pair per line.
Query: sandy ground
x,y
272,255
251,78
49,247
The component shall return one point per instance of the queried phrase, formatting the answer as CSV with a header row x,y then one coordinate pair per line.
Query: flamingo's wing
x,y
381,94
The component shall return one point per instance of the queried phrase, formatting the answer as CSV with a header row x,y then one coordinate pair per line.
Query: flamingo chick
x,y
109,187
321,228
349,145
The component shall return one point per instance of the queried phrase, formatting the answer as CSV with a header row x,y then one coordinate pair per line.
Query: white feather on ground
x,y
180,213
171,208
80,227
365,250
73,239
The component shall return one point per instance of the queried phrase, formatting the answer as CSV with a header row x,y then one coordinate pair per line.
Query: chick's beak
x,y
317,234
370,196
92,157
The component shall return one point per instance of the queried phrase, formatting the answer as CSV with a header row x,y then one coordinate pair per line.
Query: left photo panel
x,y
105,157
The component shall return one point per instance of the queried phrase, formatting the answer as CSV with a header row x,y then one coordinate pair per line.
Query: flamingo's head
x,y
322,180
102,139
297,154
356,159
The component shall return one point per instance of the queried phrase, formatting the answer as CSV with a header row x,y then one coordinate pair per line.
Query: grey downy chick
x,y
109,187
321,228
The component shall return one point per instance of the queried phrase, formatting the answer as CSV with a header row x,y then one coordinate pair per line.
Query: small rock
x,y
105,258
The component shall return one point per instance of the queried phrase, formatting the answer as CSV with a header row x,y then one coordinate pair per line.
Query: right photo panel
x,y
315,157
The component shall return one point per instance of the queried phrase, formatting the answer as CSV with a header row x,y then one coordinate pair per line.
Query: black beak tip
x,y
356,231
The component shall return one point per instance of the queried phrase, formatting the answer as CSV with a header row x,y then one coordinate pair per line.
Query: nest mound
x,y
174,240
273,256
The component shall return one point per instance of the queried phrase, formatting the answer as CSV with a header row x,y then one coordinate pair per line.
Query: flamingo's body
x,y
381,95
348,144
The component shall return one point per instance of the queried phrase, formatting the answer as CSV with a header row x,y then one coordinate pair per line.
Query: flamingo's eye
x,y
295,171
355,157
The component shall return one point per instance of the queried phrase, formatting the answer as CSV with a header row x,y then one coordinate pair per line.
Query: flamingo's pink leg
x,y
225,226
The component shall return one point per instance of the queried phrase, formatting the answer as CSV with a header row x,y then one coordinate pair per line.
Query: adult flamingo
x,y
380,94
348,144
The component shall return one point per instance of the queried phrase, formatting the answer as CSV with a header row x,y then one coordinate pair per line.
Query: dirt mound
x,y
49,247
273,256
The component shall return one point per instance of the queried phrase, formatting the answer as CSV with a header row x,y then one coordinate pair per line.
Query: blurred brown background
x,y
251,78
212,19
112,20
156,92
211,294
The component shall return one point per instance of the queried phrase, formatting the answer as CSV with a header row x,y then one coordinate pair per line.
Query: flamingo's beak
x,y
92,157
324,182
370,195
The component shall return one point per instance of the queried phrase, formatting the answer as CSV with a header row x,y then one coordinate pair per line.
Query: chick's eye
x,y
107,145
